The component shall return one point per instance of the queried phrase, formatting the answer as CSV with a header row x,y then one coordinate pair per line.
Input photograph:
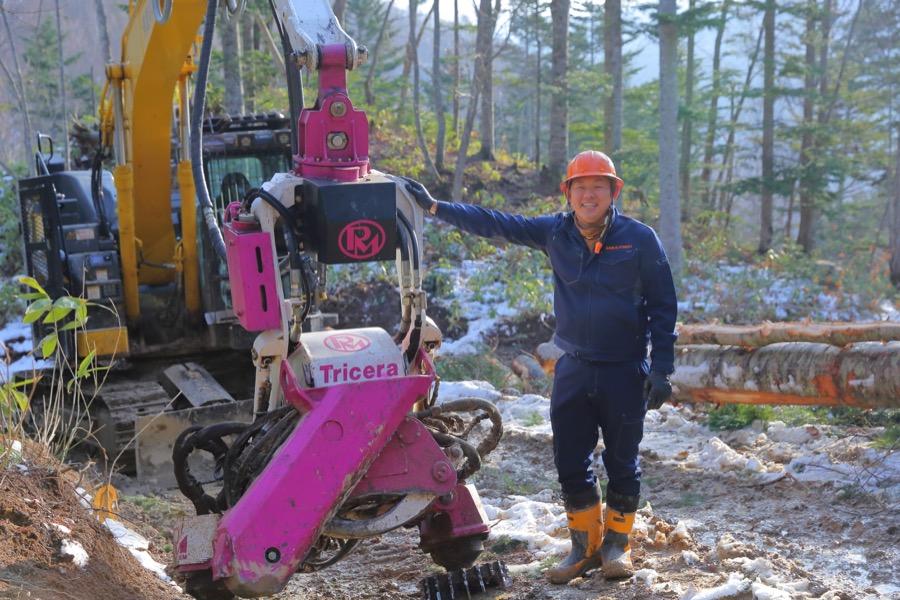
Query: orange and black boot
x,y
616,548
586,531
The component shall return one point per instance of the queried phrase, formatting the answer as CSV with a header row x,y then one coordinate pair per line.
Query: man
x,y
613,293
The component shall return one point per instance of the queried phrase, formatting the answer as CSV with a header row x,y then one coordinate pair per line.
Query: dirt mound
x,y
51,547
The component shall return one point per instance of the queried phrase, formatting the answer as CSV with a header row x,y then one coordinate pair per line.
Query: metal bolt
x,y
441,471
273,555
337,141
338,109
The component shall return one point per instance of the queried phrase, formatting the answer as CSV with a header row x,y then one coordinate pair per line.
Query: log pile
x,y
841,364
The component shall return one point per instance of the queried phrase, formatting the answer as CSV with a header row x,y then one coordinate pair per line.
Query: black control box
x,y
349,222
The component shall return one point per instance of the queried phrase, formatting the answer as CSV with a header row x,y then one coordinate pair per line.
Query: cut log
x,y
837,334
864,375
548,353
527,368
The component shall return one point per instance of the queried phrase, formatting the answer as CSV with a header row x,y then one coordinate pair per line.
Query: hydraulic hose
x,y
415,337
296,257
198,103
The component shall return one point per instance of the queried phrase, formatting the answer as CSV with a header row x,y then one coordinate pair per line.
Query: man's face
x,y
590,198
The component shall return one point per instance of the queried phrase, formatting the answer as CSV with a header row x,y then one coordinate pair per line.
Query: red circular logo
x,y
347,342
361,239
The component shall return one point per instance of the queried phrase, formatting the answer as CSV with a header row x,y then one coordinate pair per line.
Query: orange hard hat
x,y
588,163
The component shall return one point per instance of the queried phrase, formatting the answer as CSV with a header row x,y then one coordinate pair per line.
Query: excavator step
x,y
464,583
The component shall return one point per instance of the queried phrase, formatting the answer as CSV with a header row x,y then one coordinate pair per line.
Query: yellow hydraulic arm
x,y
155,59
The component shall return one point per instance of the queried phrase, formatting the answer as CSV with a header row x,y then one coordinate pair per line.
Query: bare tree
x,y
768,145
407,64
16,83
373,57
895,230
713,113
537,84
612,65
669,209
487,87
456,60
413,53
231,65
483,44
687,124
436,86
62,87
103,29
559,99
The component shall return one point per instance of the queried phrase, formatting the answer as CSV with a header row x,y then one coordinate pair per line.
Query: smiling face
x,y
590,198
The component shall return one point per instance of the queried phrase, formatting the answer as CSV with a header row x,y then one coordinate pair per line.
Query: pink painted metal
x,y
454,516
251,271
410,462
333,137
263,538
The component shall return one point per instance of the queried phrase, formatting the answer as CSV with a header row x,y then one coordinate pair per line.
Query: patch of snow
x,y
689,557
538,524
137,545
736,585
763,592
484,309
717,455
779,432
76,551
454,390
646,576
61,528
16,336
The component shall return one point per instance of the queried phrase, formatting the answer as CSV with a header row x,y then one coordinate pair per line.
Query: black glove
x,y
657,389
418,191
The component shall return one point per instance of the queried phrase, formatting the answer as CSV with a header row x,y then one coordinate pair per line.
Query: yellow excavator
x,y
131,241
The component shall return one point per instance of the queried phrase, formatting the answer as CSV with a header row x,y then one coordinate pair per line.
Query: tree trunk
x,y
103,30
231,65
752,336
895,230
687,127
248,77
713,114
456,61
807,149
865,375
373,57
483,43
559,98
487,87
537,108
669,205
18,85
62,87
438,96
768,145
612,66
413,54
407,66
728,156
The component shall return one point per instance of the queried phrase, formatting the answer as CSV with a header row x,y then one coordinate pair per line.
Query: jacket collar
x,y
572,229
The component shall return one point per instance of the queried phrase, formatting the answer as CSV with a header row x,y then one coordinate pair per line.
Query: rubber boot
x,y
616,548
586,531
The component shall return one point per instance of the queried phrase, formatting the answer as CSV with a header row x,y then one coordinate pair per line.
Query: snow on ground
x,y
15,342
831,459
484,307
138,546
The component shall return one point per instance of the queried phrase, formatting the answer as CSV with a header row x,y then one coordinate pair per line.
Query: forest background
x,y
760,138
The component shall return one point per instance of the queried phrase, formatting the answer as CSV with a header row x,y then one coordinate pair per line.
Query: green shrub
x,y
480,367
737,416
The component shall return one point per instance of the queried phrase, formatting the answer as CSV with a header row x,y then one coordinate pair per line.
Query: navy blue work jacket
x,y
609,305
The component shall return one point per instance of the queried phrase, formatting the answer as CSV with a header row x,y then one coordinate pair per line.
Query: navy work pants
x,y
591,398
